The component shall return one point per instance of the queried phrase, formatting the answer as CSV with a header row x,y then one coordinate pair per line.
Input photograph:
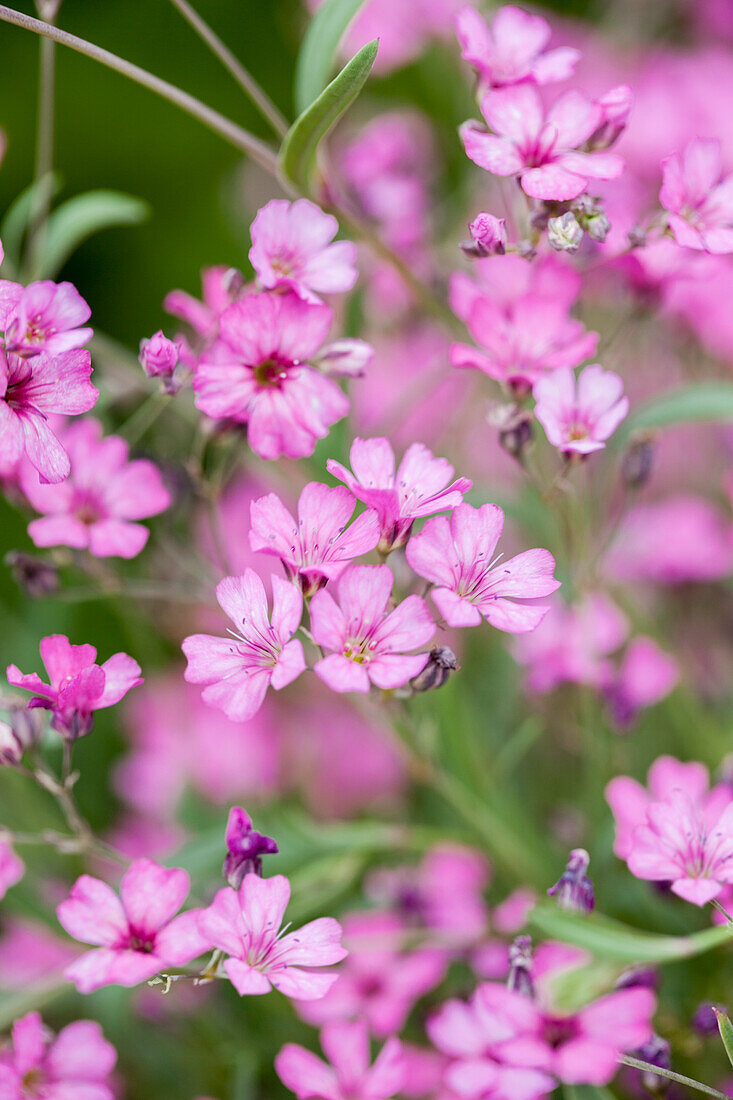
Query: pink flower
x,y
246,925
135,937
579,415
292,250
646,676
220,285
318,547
30,389
418,488
457,556
75,1063
700,204
45,318
95,507
505,1045
238,670
382,978
258,374
544,151
12,867
509,50
349,1075
367,642
78,686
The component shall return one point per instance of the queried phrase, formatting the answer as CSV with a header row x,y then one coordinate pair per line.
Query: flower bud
x,y
22,731
488,237
232,282
515,427
159,357
564,234
656,1052
245,848
345,358
615,106
591,217
34,575
574,890
637,463
638,977
520,966
441,662
705,1020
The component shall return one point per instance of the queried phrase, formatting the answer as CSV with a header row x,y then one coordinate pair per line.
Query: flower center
x,y
558,1030
358,650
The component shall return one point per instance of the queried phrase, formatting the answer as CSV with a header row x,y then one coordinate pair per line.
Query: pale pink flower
x,y
382,979
504,281
292,250
30,954
45,317
259,374
349,1076
543,150
457,556
246,924
511,48
681,538
104,494
12,867
31,389
318,546
261,651
368,643
698,201
75,1063
578,415
418,487
78,686
135,937
646,676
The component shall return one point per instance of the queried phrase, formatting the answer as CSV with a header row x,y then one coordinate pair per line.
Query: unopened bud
x,y
441,662
591,217
656,1052
705,1020
159,358
488,237
345,358
564,234
637,463
22,731
34,575
232,282
520,966
245,848
574,890
514,425
638,977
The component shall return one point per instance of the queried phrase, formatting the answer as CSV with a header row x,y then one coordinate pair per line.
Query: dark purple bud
x,y
704,1020
656,1052
638,977
520,966
574,890
515,427
34,575
441,662
245,848
637,463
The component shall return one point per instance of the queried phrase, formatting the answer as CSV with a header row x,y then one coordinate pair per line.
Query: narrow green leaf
x,y
609,939
705,401
299,148
14,225
316,57
725,1027
80,218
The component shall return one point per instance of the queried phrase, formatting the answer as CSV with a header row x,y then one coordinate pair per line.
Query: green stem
x,y
647,1067
44,140
243,78
233,133
144,417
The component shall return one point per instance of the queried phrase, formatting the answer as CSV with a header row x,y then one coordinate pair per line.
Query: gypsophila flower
x,y
698,201
579,415
45,318
77,1063
349,1075
510,49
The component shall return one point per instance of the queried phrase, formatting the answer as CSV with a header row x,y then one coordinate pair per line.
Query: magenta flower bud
x,y
158,356
245,848
520,966
488,236
574,890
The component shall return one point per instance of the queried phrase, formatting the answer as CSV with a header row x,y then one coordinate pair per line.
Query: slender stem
x,y
144,416
233,133
246,82
721,910
44,140
647,1067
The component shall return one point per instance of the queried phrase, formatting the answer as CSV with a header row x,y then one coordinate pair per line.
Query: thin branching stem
x,y
670,1075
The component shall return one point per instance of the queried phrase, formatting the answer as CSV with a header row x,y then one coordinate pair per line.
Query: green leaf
x,y
14,225
576,987
705,401
80,218
300,145
586,1092
315,60
609,939
725,1027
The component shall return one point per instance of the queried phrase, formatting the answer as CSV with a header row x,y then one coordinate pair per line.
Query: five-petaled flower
x,y
698,201
350,1076
511,48
580,414
43,317
76,1063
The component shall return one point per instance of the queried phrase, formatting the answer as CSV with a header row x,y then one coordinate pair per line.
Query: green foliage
x,y
725,1027
320,42
701,402
79,218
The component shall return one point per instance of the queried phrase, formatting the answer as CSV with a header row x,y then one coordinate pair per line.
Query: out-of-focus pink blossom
x,y
543,149
580,415
78,686
457,556
246,925
698,201
12,867
672,541
43,317
511,48
504,281
261,651
258,374
97,506
419,487
367,644
646,676
76,1063
292,250
30,390
348,1075
318,546
135,937
219,285
30,953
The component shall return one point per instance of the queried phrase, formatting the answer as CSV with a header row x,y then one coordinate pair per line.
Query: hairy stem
x,y
647,1067
246,82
